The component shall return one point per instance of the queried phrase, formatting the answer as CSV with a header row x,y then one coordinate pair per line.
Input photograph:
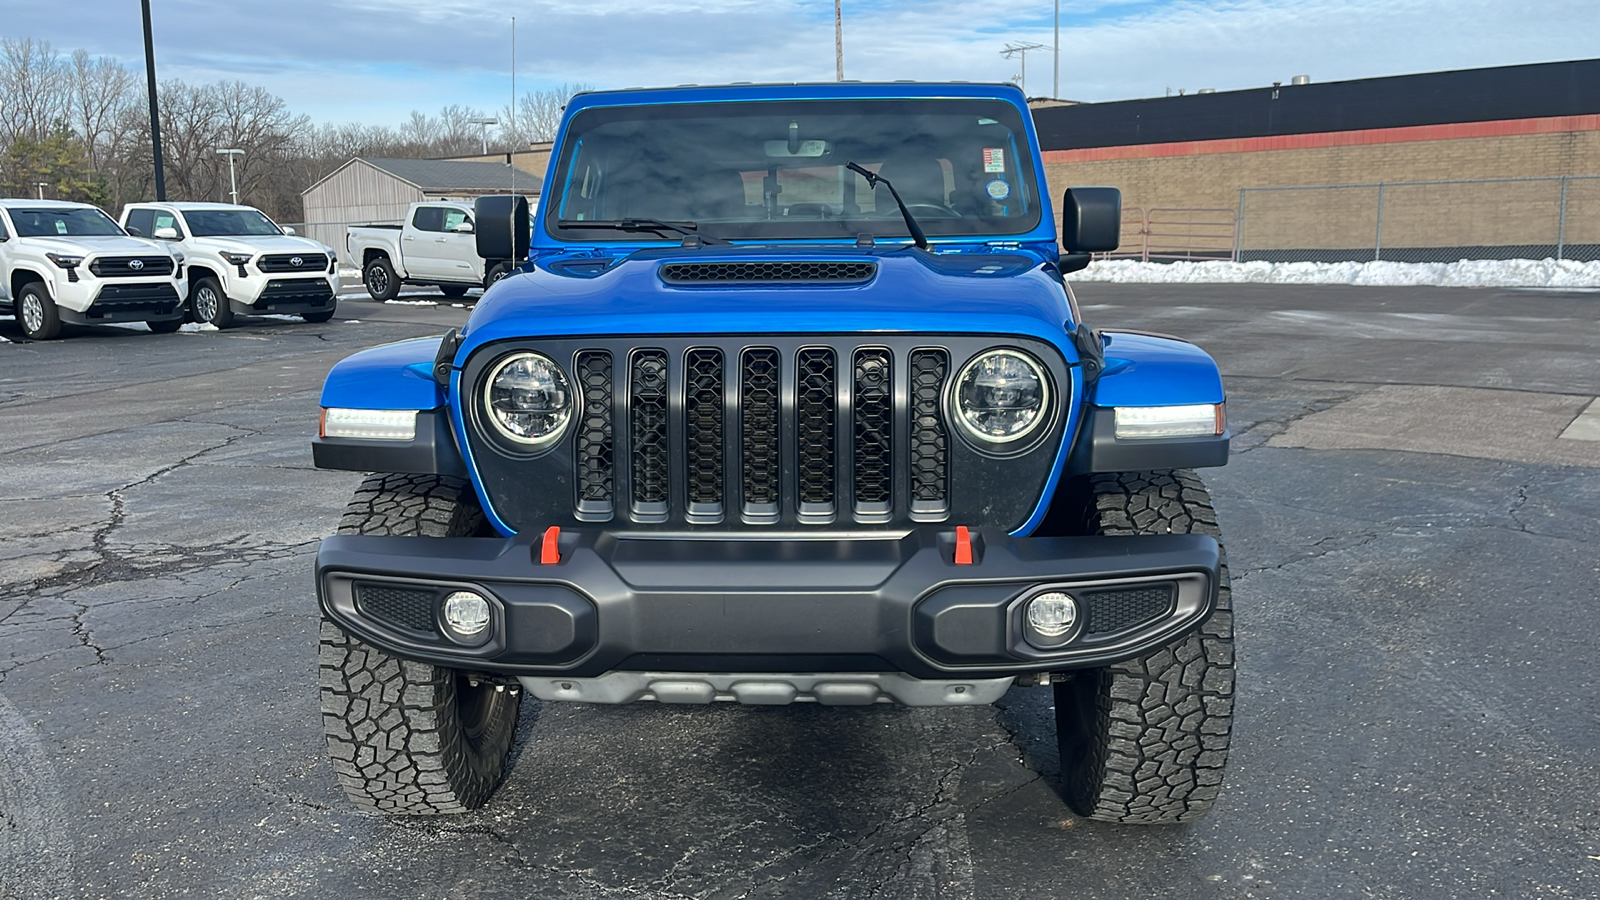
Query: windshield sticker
x,y
997,189
61,226
994,159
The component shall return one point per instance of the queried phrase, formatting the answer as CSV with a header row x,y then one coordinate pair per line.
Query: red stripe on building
x,y
1450,132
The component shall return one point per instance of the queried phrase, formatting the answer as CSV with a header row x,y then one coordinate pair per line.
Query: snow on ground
x,y
195,327
1546,273
349,273
412,302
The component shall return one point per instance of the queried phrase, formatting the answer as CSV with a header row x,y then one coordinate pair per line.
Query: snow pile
x,y
194,327
1546,273
412,302
349,273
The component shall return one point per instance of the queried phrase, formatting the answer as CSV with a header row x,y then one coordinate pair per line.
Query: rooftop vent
x,y
1300,79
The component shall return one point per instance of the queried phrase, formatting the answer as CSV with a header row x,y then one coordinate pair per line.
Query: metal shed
x,y
364,191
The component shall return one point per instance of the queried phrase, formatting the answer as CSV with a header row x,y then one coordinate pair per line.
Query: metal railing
x,y
1556,217
1167,234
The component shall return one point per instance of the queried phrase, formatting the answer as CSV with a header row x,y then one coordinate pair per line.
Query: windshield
x,y
777,169
67,221
219,222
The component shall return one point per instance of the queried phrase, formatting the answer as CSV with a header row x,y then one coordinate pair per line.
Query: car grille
x,y
124,266
738,433
295,292
816,272
286,262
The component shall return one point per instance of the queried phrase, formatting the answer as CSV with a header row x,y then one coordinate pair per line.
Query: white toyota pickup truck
x,y
435,246
241,262
71,263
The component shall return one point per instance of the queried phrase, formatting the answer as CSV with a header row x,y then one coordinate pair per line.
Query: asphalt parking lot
x,y
1415,548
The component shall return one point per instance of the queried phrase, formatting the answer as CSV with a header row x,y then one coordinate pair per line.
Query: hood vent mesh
x,y
812,272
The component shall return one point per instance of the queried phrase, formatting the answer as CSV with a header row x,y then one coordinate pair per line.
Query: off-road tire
x,y
37,313
1144,742
453,291
208,303
381,282
411,738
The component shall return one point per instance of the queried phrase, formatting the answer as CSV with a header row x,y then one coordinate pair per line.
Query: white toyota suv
x,y
241,262
71,263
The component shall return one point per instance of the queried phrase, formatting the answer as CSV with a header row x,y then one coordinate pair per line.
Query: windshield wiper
x,y
917,236
655,226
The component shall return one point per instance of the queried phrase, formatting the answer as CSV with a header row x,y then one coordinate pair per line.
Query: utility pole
x,y
1055,88
1021,49
155,116
838,42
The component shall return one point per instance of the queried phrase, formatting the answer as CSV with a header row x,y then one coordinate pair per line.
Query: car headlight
x,y
237,259
528,399
1000,397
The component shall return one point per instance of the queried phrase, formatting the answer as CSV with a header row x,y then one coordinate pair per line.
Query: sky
x,y
374,61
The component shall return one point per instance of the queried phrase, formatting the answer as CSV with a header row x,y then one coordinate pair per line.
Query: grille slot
x,y
1119,609
122,266
647,424
596,447
874,431
759,380
398,607
815,393
285,262
930,449
812,272
704,415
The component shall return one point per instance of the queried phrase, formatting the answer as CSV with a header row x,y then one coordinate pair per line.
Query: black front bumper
x,y
158,302
689,604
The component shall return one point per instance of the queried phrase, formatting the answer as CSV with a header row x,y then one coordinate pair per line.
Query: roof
x,y
30,203
439,175
827,90
191,205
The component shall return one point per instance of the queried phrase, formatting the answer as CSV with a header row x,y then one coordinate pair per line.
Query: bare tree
x,y
36,88
538,116
101,90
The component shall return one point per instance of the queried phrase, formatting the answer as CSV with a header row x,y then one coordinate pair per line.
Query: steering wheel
x,y
931,211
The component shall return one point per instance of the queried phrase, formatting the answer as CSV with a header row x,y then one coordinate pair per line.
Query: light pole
x,y
230,153
155,118
41,185
838,42
1021,49
484,130
1055,87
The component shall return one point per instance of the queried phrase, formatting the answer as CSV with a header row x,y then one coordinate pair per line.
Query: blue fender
x,y
393,376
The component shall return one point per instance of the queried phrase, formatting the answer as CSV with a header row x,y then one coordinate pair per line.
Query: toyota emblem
x,y
295,261
136,264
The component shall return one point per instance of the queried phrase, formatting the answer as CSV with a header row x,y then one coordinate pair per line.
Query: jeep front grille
x,y
758,431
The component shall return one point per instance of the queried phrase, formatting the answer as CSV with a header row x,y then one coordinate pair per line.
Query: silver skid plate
x,y
768,689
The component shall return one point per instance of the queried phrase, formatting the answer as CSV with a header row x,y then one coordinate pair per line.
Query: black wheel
x,y
165,326
380,279
453,291
208,304
497,272
37,312
1144,741
410,738
321,315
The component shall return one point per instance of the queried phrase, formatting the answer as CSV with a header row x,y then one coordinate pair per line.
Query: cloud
x,y
375,60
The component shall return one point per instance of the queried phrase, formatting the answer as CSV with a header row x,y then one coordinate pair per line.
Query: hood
x,y
102,245
909,291
268,243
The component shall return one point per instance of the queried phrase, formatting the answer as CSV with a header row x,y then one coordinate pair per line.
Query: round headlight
x,y
1001,396
528,399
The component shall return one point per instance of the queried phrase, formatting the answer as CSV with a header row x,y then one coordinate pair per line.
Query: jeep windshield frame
x,y
775,170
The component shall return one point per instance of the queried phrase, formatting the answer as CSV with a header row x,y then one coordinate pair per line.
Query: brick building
x,y
1360,149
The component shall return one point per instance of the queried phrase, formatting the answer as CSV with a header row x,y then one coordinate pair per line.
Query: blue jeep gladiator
x,y
789,402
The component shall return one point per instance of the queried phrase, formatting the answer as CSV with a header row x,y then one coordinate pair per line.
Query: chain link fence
x,y
1422,221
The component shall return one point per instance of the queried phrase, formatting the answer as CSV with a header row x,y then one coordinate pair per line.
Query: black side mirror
x,y
1091,219
133,232
503,226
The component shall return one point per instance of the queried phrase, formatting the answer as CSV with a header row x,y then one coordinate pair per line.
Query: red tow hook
x,y
963,546
550,552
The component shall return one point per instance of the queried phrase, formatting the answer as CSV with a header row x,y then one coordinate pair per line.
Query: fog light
x,y
1051,618
466,614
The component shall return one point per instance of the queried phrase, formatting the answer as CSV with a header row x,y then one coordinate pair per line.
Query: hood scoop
x,y
785,272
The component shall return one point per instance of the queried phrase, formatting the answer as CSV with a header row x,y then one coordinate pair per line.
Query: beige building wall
x,y
1211,174
358,193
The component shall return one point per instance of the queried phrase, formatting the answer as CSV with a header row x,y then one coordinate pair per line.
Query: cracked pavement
x,y
1417,699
